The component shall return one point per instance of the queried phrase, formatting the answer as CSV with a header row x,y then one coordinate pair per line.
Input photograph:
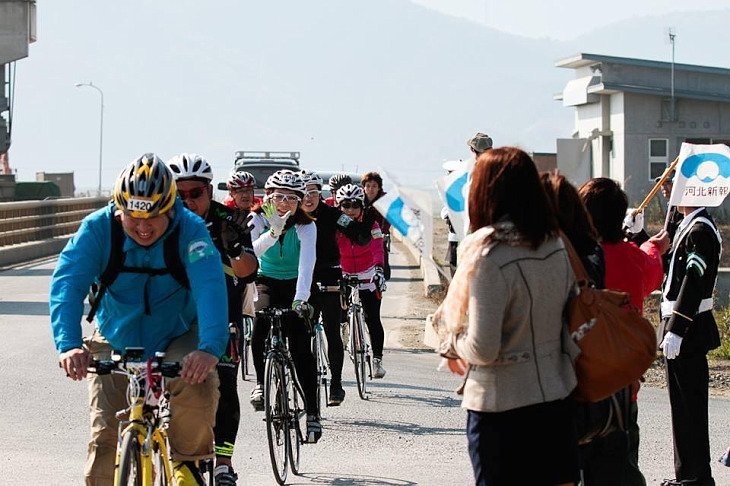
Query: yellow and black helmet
x,y
145,188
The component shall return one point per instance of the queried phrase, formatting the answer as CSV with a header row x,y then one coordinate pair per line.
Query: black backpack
x,y
173,266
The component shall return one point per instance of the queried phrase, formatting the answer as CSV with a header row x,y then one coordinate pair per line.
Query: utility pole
x,y
101,129
672,111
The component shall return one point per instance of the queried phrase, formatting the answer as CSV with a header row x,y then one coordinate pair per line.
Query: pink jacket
x,y
356,258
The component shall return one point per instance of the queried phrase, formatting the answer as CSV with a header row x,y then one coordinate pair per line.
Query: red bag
x,y
617,344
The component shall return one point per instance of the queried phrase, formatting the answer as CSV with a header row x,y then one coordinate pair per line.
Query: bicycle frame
x,y
146,402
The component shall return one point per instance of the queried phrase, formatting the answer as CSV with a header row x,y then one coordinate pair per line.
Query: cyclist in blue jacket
x,y
145,306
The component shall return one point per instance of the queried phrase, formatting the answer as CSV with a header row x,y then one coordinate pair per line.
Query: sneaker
x,y
378,370
224,476
337,395
314,429
257,398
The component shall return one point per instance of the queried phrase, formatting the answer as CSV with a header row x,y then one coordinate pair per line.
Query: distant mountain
x,y
702,38
350,84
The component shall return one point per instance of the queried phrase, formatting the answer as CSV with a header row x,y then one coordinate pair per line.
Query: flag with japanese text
x,y
702,176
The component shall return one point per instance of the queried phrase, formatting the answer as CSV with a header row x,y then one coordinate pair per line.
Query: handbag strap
x,y
578,269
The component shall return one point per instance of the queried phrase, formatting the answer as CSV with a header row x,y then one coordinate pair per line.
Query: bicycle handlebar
x,y
170,369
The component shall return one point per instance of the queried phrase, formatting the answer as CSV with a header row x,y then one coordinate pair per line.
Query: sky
x,y
563,20
180,76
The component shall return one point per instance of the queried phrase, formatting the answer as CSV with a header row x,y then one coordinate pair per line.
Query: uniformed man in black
x,y
687,332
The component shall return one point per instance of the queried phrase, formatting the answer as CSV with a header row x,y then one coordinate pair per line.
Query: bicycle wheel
x,y
296,436
275,404
358,353
130,461
244,358
318,351
246,351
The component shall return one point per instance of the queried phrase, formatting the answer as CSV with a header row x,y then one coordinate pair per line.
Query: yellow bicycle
x,y
142,451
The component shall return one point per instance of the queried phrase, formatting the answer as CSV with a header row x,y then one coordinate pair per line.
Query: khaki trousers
x,y
192,411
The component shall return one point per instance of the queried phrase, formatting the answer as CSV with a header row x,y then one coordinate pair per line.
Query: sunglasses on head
x,y
192,193
351,204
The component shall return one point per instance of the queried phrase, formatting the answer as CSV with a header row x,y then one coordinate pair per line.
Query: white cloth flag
x,y
403,208
702,176
454,192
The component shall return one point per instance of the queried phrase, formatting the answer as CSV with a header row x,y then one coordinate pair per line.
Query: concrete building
x,y
17,31
627,125
64,181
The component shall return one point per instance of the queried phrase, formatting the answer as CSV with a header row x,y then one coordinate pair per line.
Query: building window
x,y
658,151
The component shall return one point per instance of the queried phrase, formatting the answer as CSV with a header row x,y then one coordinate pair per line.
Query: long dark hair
x,y
607,203
572,215
505,184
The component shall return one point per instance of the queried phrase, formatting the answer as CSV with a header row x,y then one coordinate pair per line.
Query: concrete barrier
x,y
30,230
429,271
26,252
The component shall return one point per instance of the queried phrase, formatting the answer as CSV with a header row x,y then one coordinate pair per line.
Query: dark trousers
x,y
688,381
371,309
280,294
535,445
605,460
228,415
634,476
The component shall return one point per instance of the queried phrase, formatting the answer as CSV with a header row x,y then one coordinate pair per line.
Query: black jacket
x,y
689,284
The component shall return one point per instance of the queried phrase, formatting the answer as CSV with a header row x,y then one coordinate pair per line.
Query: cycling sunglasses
x,y
351,204
192,193
278,197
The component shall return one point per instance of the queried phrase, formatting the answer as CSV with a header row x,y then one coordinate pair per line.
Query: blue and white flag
x,y
702,176
405,211
454,192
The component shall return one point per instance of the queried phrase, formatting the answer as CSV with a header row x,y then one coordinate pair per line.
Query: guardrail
x,y
35,229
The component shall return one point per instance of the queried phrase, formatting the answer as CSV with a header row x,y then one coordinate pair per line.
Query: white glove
x,y
275,222
671,345
634,224
379,279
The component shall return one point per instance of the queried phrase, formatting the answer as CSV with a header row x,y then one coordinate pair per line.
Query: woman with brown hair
x,y
502,323
630,268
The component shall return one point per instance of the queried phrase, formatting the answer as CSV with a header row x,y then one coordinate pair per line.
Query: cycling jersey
x,y
358,258
121,317
291,256
329,221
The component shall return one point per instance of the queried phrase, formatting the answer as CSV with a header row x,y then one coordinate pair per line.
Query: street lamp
x,y
101,128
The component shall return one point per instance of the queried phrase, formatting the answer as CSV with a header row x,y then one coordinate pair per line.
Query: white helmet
x,y
349,191
240,178
286,179
190,166
310,177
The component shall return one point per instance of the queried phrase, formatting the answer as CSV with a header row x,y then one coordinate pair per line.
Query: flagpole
x,y
646,200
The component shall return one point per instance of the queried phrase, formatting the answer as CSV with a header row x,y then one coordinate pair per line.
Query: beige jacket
x,y
513,340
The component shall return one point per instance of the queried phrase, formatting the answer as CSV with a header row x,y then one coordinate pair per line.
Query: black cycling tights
x,y
280,294
228,415
371,308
